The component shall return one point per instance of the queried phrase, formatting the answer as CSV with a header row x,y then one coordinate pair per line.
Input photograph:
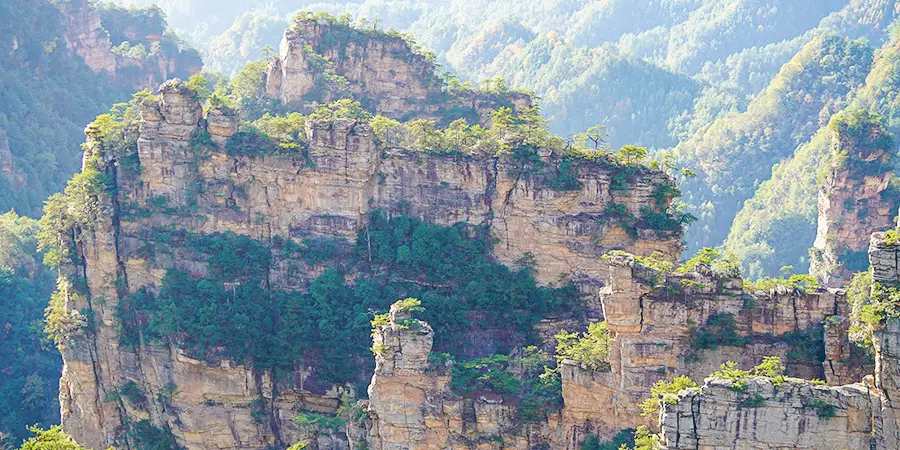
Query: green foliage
x,y
754,401
541,391
320,423
729,372
892,236
590,348
884,303
489,374
823,409
665,391
134,394
722,264
799,282
624,437
53,438
864,315
644,439
720,330
63,325
146,436
344,108
228,311
772,368
258,411
738,150
30,364
806,346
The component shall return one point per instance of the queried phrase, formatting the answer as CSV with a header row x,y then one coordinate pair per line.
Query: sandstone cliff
x,y
766,413
326,193
854,201
86,37
325,60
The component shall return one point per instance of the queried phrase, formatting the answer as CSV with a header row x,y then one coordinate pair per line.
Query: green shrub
x,y
566,178
754,401
146,436
722,264
134,394
320,423
720,330
230,311
823,409
729,372
665,391
591,348
53,438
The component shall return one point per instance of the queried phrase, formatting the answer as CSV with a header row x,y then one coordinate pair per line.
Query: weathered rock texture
x,y
790,416
411,406
654,327
329,61
852,206
85,36
797,414
328,193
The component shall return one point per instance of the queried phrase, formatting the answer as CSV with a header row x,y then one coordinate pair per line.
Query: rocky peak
x,y
324,59
855,198
86,37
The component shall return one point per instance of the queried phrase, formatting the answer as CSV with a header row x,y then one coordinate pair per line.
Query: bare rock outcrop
x,y
321,60
852,204
794,414
86,37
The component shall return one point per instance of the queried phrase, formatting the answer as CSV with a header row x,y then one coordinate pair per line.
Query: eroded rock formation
x,y
795,413
322,61
85,36
854,202
329,192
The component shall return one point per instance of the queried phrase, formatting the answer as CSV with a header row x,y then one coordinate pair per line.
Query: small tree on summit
x,y
631,154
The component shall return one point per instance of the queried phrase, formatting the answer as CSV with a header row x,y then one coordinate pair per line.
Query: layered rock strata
x,y
85,36
321,61
852,205
797,414
411,406
327,192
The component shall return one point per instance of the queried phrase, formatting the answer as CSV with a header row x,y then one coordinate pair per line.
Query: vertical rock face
x,y
325,61
852,206
861,415
885,262
411,405
7,165
794,414
85,36
654,322
327,192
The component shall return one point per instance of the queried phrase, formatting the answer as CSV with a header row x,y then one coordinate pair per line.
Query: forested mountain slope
x,y
777,224
734,154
